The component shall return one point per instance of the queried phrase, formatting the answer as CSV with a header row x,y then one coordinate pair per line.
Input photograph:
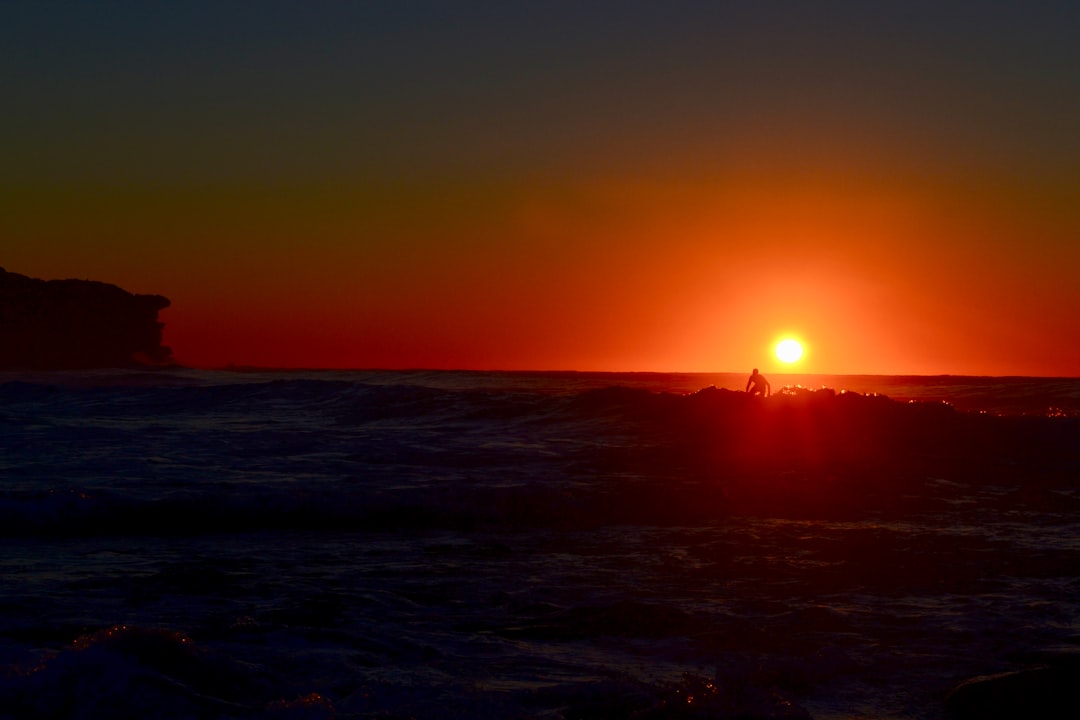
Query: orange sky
x,y
604,214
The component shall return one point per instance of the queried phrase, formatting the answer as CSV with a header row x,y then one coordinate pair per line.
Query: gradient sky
x,y
559,185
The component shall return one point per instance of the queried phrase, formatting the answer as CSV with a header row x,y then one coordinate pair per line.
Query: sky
x,y
623,186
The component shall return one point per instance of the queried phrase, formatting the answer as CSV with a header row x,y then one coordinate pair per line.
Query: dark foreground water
x,y
520,545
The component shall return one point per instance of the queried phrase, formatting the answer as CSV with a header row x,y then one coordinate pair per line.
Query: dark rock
x,y
1045,691
77,324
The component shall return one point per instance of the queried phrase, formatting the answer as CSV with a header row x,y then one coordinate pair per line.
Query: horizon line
x,y
231,367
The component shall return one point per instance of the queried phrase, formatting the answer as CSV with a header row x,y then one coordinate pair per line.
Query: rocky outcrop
x,y
1045,691
76,324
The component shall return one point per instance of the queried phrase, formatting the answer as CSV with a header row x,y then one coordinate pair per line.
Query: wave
x,y
131,671
333,454
273,545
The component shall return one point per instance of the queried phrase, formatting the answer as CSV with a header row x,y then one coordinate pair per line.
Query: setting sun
x,y
789,350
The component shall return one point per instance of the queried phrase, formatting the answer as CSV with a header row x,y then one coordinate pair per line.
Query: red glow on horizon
x,y
656,276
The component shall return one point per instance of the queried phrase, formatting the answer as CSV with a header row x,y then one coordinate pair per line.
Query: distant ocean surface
x,y
377,544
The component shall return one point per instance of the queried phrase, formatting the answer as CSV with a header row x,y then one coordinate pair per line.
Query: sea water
x,y
528,545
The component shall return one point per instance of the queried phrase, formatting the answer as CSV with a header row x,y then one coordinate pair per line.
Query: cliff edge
x,y
77,324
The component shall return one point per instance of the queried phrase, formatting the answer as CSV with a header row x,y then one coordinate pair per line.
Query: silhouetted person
x,y
758,385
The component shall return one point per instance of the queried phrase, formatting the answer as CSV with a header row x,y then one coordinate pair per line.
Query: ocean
x,y
567,546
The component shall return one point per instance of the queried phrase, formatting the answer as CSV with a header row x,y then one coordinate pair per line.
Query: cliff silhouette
x,y
77,324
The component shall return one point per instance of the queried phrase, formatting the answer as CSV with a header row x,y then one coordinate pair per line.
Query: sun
x,y
789,350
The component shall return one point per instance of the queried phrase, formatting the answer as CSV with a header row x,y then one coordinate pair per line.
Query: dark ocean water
x,y
192,544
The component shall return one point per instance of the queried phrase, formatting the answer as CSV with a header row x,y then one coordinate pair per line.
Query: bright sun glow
x,y
788,350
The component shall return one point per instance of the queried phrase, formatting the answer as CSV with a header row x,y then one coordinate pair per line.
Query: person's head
x,y
755,372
